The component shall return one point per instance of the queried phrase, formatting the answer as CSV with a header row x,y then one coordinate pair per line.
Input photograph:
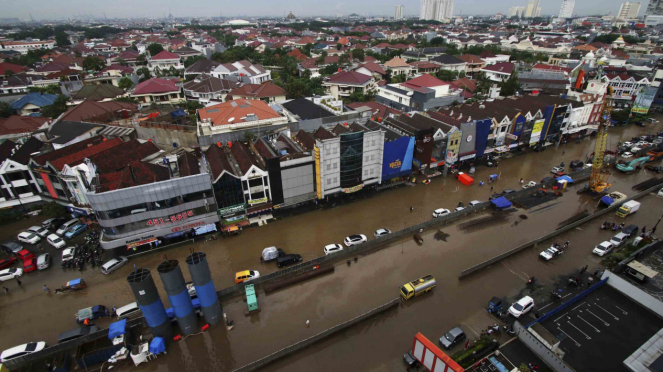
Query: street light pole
x,y
657,222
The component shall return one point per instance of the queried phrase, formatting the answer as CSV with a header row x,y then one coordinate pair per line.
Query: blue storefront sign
x,y
77,211
397,158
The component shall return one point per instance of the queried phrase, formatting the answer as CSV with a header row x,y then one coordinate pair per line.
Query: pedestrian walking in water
x,y
308,322
18,282
46,289
411,209
491,187
596,272
6,290
563,152
644,228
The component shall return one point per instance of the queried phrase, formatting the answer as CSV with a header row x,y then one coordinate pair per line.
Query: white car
x,y
68,254
354,240
627,155
56,241
22,350
458,209
550,253
521,307
381,232
603,249
635,149
529,184
618,239
38,230
557,169
473,203
8,274
660,192
440,212
333,248
28,237
627,144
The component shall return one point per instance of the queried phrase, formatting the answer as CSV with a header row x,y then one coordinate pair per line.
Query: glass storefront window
x,y
151,206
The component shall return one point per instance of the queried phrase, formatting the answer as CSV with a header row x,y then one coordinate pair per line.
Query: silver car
x,y
113,264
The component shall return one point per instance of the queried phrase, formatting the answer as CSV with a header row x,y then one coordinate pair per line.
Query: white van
x,y
22,350
128,311
65,226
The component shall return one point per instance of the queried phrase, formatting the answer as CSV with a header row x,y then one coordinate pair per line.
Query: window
x,y
335,179
372,157
373,143
329,181
372,171
335,165
328,166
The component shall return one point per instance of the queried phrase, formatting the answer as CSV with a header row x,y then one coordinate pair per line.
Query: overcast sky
x,y
62,9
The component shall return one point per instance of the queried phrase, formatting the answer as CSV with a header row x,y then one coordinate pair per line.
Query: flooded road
x,y
27,314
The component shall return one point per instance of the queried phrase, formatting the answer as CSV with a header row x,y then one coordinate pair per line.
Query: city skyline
x,y
70,9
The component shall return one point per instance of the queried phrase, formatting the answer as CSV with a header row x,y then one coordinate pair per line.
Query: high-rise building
x,y
398,12
566,10
533,9
437,10
516,11
629,10
655,7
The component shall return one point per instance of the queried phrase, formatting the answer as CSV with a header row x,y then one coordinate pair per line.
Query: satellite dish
x,y
410,93
231,120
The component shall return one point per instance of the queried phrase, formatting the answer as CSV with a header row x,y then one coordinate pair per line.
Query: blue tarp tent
x,y
607,200
501,203
74,282
117,329
158,345
177,113
565,178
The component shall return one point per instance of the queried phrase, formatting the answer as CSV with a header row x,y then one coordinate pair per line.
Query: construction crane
x,y
598,181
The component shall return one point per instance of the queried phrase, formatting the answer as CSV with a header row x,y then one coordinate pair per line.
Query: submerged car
x,y
354,240
602,249
551,253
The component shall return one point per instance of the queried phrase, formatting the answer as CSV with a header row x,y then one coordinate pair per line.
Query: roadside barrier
x,y
319,337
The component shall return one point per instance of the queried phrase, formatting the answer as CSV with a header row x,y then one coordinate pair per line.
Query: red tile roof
x,y
4,67
91,109
373,67
426,81
470,58
379,110
135,174
264,90
164,54
503,67
349,77
78,157
78,146
118,157
237,110
20,124
542,66
155,86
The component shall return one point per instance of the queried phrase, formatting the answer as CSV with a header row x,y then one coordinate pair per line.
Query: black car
x,y
640,124
630,230
53,223
657,169
288,259
409,360
508,191
11,247
576,164
76,333
495,196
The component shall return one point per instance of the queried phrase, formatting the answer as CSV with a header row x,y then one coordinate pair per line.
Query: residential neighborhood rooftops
x,y
21,124
237,111
164,55
502,67
98,92
156,86
350,77
264,90
306,109
34,98
447,59
90,109
203,66
396,62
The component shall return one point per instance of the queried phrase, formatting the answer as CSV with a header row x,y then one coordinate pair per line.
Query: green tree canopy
x,y
358,54
154,49
125,83
93,63
56,109
5,109
191,60
511,85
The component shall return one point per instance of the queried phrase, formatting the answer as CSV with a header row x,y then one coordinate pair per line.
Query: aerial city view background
x,y
433,185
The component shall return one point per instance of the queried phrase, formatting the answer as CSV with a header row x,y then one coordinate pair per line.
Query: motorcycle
x,y
531,281
554,295
509,330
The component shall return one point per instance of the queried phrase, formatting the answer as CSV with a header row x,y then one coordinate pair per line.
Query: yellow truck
x,y
417,287
627,208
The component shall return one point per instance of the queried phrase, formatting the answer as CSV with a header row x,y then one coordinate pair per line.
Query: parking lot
x,y
599,332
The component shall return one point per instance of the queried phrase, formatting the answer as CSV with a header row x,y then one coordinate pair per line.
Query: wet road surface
x,y
27,314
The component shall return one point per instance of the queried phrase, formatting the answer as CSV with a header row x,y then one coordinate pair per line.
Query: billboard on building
x,y
397,158
468,140
536,131
644,100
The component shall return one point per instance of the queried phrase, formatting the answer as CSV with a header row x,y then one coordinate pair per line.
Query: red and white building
x,y
24,46
164,60
159,91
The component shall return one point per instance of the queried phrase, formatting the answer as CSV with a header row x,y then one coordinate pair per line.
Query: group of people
x,y
493,329
612,226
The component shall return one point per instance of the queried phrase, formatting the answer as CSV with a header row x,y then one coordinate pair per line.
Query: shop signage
x,y
256,189
40,169
469,138
466,157
257,201
232,209
350,190
188,227
136,244
80,211
511,136
396,164
173,218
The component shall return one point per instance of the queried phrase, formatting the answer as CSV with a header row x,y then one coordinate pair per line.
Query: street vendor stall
x,y
465,179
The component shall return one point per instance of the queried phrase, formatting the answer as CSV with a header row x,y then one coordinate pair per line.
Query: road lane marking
x,y
571,338
577,306
623,311
541,308
589,324
572,325
607,312
597,317
559,318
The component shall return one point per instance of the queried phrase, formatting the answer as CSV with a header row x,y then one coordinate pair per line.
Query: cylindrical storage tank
x,y
147,296
173,281
202,279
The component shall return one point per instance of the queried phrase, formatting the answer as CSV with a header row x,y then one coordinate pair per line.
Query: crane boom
x,y
598,181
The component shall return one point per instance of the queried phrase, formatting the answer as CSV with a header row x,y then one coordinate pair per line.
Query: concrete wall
x,y
166,137
550,358
635,293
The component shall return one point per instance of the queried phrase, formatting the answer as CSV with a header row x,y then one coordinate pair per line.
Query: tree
x,y
343,59
193,59
121,61
400,78
126,99
5,109
56,109
125,83
511,85
192,106
307,49
154,49
141,60
61,39
53,209
93,63
296,88
144,73
339,46
49,89
358,54
447,75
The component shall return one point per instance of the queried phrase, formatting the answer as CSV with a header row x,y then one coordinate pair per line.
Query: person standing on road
x,y
6,290
18,282
644,228
491,187
46,289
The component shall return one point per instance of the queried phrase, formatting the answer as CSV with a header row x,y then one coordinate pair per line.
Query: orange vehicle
x,y
654,155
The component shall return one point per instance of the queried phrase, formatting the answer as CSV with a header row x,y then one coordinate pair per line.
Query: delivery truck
x,y
417,287
627,208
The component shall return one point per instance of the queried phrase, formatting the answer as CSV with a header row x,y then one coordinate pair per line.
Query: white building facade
x,y
437,10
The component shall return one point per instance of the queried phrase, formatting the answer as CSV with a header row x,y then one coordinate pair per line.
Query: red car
x,y
559,174
29,265
25,255
7,262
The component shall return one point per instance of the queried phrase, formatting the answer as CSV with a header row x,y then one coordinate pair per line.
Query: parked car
x,y
68,253
355,239
75,230
246,275
631,230
40,231
557,169
440,212
56,241
332,248
453,337
654,168
11,247
576,164
28,237
458,209
410,360
288,259
529,184
128,311
66,226
559,174
8,274
91,313
619,239
21,350
113,264
29,265
7,262
627,144
43,261
508,191
473,203
53,223
627,155
602,249
495,196
76,333
25,254
523,306
381,232
550,253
